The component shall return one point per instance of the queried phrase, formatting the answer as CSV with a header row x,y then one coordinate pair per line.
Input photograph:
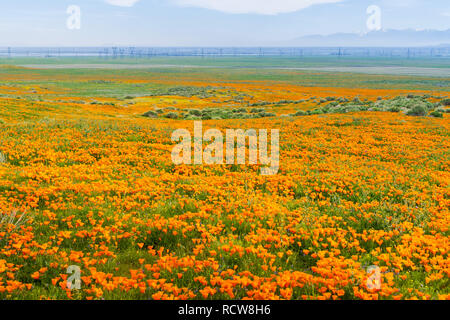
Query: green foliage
x,y
171,115
406,104
436,114
411,105
195,112
417,111
212,113
445,102
150,114
300,113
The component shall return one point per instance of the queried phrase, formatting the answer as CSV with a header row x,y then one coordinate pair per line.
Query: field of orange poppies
x,y
87,184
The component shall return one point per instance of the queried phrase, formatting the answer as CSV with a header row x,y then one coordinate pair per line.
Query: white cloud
x,y
401,3
122,3
269,7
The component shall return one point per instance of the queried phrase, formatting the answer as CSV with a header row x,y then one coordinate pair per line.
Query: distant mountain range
x,y
384,38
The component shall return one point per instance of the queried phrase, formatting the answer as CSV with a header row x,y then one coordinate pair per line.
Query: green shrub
x,y
445,102
418,110
266,114
332,104
256,110
354,108
300,113
436,114
150,114
394,109
195,112
171,115
404,103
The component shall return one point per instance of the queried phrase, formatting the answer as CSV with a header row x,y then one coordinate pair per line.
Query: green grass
x,y
220,69
247,62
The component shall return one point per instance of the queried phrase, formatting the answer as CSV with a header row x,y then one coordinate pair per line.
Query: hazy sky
x,y
204,22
